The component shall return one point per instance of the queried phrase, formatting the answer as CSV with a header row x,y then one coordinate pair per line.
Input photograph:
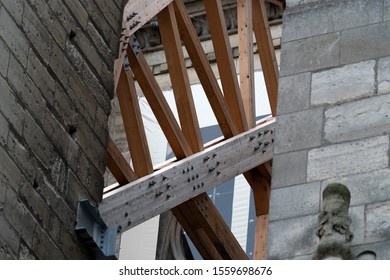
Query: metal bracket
x,y
92,230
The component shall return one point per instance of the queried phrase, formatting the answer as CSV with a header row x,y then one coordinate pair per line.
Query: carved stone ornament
x,y
333,224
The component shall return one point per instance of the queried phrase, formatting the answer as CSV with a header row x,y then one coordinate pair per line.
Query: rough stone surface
x,y
290,167
295,201
348,158
294,93
56,91
378,222
343,84
365,43
300,130
366,188
381,250
384,75
386,11
310,54
357,120
292,237
331,16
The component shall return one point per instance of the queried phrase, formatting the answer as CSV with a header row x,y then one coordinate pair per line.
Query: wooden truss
x,y
246,148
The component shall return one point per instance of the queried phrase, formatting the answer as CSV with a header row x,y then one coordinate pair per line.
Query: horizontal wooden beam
x,y
151,195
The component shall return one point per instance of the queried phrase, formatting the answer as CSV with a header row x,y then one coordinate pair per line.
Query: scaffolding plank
x,y
245,57
261,237
266,52
134,128
207,229
159,104
225,62
179,78
204,71
151,195
118,166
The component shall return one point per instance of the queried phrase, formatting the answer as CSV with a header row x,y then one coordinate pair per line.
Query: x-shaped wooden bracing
x,y
247,148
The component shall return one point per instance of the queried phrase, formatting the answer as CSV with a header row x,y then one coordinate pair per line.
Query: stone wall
x,y
56,87
333,123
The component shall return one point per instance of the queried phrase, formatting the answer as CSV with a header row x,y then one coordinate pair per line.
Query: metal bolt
x,y
266,143
214,155
251,138
264,150
218,173
218,163
159,194
128,223
266,131
126,214
211,169
256,148
206,158
169,186
168,196
152,183
259,134
164,178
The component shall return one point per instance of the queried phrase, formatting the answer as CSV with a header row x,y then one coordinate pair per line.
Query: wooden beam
x,y
179,78
204,71
139,13
213,239
261,237
225,62
158,104
245,57
151,195
118,166
134,128
266,52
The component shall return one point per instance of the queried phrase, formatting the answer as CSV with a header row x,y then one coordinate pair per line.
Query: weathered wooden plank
x,y
137,13
151,195
261,237
179,78
204,71
245,57
159,105
118,166
207,230
266,52
134,128
225,62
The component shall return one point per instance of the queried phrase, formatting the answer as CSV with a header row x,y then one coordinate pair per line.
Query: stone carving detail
x,y
333,224
149,35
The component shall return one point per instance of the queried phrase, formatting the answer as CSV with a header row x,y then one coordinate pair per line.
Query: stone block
x,y
26,90
89,78
292,237
366,188
310,54
358,120
75,191
25,252
381,250
357,226
343,84
4,58
37,33
44,247
386,11
63,16
289,169
384,75
295,201
41,77
13,36
22,157
111,12
3,130
10,107
78,12
15,8
72,247
60,66
10,175
49,17
8,236
38,142
331,16
294,93
104,50
19,217
378,222
366,42
348,158
6,253
300,130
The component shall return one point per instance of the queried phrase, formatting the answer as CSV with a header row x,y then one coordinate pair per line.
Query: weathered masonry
x,y
56,65
332,124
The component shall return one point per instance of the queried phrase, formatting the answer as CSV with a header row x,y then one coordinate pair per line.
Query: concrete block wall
x,y
56,62
333,123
